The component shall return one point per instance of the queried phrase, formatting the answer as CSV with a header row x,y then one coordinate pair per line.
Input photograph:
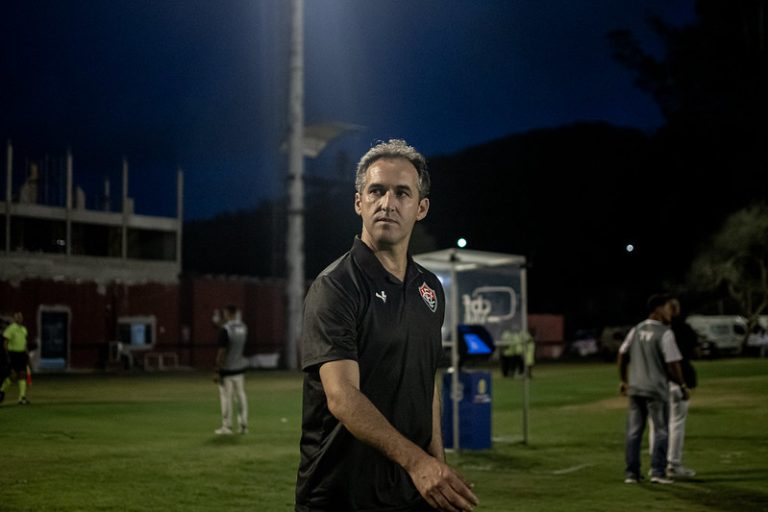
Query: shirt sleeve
x,y
627,341
330,324
669,347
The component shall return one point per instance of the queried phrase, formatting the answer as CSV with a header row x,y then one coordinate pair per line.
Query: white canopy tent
x,y
484,288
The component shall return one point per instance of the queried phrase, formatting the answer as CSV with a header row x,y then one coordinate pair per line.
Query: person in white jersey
x,y
648,359
231,366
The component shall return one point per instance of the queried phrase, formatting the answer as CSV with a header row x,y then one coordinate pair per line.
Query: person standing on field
x,y
648,359
688,344
15,344
512,361
231,366
371,342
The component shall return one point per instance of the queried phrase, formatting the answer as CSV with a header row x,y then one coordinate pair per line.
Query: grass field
x,y
146,443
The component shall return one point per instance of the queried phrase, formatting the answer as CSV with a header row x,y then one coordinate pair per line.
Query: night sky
x,y
202,85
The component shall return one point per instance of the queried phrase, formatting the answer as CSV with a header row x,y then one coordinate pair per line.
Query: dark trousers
x,y
512,364
640,408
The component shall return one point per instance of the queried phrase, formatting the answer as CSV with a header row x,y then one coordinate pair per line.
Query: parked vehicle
x,y
757,342
611,338
719,334
584,343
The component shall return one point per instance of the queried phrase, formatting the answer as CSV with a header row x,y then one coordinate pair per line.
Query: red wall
x,y
550,333
94,311
262,305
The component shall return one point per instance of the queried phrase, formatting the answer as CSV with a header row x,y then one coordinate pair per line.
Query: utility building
x,y
96,286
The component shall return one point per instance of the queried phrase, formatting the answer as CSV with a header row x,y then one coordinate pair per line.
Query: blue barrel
x,y
474,410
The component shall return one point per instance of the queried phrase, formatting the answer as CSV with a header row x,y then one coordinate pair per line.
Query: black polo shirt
x,y
357,310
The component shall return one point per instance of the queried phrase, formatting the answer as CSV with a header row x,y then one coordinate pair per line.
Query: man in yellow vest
x,y
15,344
512,356
530,351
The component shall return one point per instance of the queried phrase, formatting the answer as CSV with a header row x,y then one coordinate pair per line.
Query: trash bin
x,y
474,410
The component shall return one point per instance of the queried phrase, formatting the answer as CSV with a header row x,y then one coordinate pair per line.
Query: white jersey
x,y
649,346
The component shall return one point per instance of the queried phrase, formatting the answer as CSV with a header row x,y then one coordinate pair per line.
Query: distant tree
x,y
245,242
252,242
711,83
736,262
712,73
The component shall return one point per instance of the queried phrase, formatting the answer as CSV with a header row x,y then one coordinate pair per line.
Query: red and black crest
x,y
429,296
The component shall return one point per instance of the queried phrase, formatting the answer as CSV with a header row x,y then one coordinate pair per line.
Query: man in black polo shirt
x,y
371,437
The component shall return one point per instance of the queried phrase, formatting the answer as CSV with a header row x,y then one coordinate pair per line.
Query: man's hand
x,y
442,487
686,393
623,389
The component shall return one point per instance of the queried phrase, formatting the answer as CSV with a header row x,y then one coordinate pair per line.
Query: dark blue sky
x,y
202,84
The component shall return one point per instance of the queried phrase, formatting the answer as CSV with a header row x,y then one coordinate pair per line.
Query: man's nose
x,y
388,200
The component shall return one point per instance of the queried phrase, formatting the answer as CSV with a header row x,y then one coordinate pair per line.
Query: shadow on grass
x,y
52,404
743,475
494,459
224,440
754,440
708,493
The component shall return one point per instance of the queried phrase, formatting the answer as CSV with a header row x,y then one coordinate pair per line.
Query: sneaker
x,y
656,479
680,471
631,480
23,401
223,431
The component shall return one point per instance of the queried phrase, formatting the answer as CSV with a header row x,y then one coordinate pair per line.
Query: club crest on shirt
x,y
429,296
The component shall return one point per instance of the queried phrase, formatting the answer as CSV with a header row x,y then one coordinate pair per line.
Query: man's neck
x,y
394,258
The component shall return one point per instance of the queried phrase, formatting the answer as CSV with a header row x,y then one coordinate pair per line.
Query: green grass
x,y
146,443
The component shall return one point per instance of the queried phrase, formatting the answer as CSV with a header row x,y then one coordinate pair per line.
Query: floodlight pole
x,y
526,373
455,398
295,238
8,194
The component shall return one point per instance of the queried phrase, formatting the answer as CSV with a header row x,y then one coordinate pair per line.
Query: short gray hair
x,y
394,148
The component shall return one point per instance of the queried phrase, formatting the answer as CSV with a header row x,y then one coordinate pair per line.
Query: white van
x,y
719,334
757,343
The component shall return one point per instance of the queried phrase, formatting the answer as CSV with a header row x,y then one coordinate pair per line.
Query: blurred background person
x,y
15,345
231,366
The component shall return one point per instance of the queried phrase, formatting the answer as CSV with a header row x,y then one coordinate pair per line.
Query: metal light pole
x,y
456,394
295,239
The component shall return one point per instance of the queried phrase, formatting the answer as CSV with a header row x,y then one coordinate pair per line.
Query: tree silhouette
x,y
737,261
712,75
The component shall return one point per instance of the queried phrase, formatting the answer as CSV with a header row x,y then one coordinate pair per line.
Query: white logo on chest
x,y
383,296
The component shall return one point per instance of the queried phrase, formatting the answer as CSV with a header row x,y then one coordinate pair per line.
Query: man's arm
x,y
623,362
436,448
675,373
673,357
221,353
440,486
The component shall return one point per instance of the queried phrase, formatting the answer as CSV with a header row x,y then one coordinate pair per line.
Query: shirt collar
x,y
373,267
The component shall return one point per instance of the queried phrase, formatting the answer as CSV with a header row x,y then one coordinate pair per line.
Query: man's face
x,y
667,311
18,318
675,304
389,202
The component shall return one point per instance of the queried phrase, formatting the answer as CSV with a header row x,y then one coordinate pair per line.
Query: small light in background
x,y
461,242
629,248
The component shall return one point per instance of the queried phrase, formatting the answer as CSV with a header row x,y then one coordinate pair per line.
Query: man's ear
x,y
358,209
423,208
